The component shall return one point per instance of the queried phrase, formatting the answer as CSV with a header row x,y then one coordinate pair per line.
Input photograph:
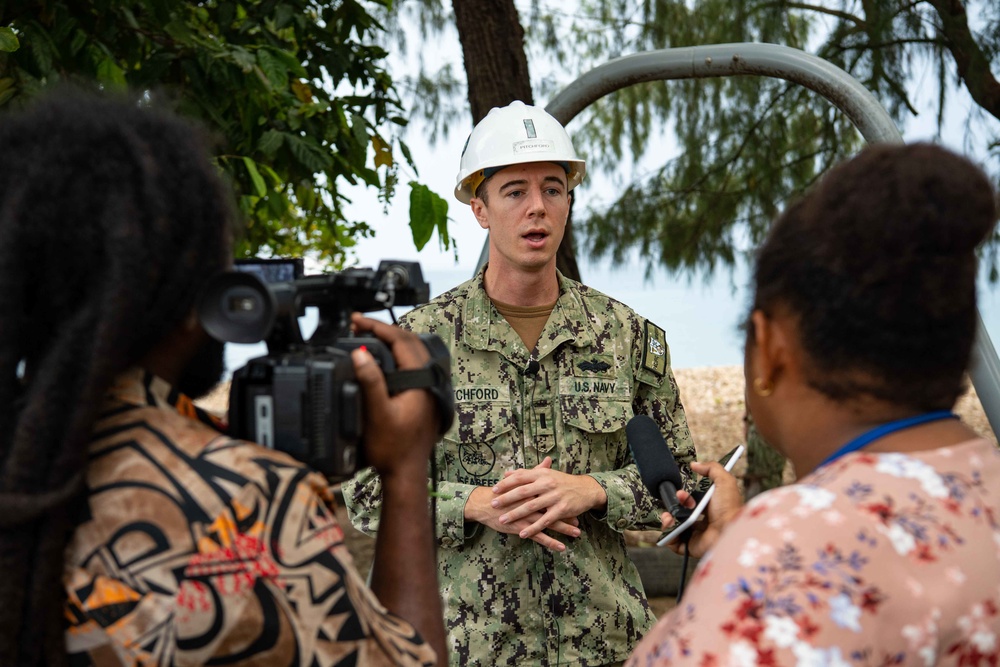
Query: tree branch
x,y
973,65
894,42
845,16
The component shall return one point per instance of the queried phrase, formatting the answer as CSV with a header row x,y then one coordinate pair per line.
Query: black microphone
x,y
532,368
657,467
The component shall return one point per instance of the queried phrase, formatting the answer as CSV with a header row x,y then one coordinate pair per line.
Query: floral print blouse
x,y
873,559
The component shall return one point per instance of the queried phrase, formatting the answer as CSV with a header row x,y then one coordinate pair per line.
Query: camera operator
x,y
133,530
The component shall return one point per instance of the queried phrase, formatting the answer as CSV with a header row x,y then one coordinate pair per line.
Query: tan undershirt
x,y
527,321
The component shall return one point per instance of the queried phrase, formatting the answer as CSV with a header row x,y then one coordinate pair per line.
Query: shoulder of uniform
x,y
449,300
598,301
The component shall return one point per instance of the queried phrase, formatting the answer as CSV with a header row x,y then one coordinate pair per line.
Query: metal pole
x,y
717,60
780,62
985,373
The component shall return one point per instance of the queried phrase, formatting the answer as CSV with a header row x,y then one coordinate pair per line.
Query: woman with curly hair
x,y
886,550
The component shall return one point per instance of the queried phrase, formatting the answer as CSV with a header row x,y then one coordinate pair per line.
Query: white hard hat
x,y
515,134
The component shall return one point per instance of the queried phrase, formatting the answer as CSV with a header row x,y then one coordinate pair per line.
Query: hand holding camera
x,y
401,430
303,398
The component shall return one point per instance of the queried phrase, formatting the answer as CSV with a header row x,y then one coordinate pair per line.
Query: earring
x,y
761,389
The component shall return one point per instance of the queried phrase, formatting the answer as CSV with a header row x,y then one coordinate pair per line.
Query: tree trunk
x,y
496,68
970,59
493,49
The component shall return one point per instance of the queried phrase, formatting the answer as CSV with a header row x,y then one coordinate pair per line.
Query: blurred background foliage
x,y
297,92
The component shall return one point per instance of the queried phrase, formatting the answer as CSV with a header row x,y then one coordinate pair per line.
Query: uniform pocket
x,y
595,415
594,432
477,448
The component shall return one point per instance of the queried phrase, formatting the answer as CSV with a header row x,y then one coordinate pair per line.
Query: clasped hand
x,y
528,501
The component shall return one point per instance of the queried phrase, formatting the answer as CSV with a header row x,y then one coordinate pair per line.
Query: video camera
x,y
302,398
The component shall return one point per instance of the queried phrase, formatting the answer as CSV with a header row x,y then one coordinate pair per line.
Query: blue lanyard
x,y
882,430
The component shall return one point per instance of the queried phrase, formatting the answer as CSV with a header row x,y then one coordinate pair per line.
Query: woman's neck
x,y
813,435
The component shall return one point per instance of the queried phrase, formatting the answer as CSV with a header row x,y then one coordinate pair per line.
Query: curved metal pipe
x,y
745,59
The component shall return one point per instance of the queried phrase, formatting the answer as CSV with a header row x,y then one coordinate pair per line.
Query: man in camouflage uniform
x,y
536,478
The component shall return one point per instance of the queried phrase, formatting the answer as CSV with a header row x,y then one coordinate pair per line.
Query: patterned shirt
x,y
508,600
874,559
195,548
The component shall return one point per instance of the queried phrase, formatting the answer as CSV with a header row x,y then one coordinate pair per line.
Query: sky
x,y
699,313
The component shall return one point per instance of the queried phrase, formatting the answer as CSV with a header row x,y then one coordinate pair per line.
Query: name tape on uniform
x,y
478,393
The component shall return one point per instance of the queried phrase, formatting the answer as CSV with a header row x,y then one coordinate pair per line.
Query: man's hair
x,y
482,192
111,219
878,265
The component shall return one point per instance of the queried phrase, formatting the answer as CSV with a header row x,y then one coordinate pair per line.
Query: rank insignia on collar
x,y
654,349
594,365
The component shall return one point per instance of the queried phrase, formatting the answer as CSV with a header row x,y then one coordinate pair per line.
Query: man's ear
x,y
479,210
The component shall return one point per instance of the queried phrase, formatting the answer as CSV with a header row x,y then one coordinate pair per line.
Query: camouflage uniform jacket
x,y
508,600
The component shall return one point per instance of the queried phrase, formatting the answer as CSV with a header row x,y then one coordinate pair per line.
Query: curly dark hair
x,y
878,263
112,218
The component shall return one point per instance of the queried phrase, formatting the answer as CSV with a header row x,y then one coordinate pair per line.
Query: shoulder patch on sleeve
x,y
654,349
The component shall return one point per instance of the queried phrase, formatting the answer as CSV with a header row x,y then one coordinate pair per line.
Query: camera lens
x,y
242,304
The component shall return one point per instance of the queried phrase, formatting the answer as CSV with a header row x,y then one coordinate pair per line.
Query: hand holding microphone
x,y
725,504
657,467
662,477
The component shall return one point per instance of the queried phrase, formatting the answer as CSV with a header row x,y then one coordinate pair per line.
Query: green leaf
x,y
291,63
273,69
109,73
405,149
359,129
243,58
179,31
305,196
428,211
78,42
369,176
42,51
283,15
6,95
8,40
311,156
258,182
270,142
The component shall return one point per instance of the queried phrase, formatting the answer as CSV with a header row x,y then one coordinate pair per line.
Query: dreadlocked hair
x,y
112,217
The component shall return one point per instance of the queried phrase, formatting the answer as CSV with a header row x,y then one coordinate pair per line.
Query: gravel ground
x,y
714,404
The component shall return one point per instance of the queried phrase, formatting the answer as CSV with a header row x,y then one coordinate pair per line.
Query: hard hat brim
x,y
466,189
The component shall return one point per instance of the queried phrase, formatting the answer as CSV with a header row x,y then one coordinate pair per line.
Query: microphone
x,y
657,467
532,368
